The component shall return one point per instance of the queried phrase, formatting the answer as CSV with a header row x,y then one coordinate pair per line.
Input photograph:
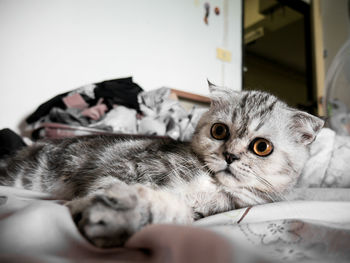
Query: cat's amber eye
x,y
261,147
219,131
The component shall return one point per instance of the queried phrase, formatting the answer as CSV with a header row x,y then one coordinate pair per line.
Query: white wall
x,y
51,46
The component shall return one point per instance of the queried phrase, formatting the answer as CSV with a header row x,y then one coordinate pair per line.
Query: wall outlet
x,y
223,54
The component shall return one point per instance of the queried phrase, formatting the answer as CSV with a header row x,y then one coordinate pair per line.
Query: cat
x,y
249,148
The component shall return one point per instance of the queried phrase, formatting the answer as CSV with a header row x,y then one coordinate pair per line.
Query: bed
x,y
36,228
311,225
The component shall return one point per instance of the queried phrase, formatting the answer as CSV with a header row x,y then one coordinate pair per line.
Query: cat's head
x,y
254,145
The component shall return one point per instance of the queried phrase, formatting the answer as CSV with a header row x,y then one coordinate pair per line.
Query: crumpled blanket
x,y
36,228
120,106
329,162
164,115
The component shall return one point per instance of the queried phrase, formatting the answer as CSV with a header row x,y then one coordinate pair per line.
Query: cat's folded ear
x,y
219,95
212,87
305,126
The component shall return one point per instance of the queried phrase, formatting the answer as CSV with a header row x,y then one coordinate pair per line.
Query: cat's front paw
x,y
108,219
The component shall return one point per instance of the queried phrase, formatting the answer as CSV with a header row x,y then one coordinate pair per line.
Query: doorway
x,y
277,54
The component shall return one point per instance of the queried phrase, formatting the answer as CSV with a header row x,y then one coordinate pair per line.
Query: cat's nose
x,y
230,157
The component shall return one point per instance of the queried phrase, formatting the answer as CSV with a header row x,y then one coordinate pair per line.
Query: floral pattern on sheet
x,y
285,231
293,231
293,240
279,237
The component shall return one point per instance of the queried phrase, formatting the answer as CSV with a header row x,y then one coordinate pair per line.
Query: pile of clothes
x,y
120,106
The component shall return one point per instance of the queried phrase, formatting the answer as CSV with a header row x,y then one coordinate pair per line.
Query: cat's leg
x,y
109,217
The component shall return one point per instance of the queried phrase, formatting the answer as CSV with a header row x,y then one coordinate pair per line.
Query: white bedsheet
x,y
34,228
296,231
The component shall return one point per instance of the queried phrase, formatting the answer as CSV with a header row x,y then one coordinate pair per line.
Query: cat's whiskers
x,y
268,185
210,161
273,194
214,158
254,196
288,203
207,167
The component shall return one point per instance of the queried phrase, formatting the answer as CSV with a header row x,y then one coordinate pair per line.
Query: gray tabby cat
x,y
248,149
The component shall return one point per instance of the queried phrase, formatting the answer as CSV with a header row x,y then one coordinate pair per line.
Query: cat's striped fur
x,y
118,186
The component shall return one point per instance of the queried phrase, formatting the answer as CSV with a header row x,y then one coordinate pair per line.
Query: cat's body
x,y
75,167
249,148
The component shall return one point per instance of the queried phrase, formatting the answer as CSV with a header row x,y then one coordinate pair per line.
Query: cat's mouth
x,y
227,171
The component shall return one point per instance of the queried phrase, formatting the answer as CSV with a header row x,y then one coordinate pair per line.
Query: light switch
x,y
223,54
